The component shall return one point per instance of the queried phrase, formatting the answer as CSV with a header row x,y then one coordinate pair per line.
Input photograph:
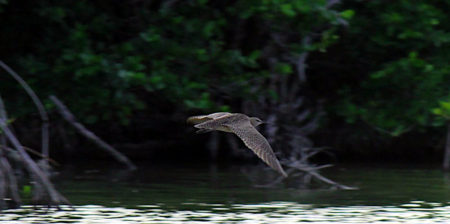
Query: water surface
x,y
191,195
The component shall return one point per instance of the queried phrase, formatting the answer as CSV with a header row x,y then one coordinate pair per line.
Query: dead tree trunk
x,y
90,135
446,163
44,191
39,106
54,198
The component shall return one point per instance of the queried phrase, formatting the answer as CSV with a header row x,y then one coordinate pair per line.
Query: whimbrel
x,y
244,127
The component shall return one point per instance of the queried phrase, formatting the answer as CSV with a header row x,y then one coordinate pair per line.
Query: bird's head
x,y
255,121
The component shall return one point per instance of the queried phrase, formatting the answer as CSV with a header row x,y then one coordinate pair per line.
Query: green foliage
x,y
284,68
26,190
347,14
405,49
442,113
443,109
107,61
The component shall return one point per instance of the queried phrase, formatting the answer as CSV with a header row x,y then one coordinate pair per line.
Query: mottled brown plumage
x,y
244,127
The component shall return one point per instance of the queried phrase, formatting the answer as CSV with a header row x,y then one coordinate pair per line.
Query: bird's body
x,y
244,127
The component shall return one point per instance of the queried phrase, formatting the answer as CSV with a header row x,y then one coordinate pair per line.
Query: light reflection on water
x,y
183,195
273,212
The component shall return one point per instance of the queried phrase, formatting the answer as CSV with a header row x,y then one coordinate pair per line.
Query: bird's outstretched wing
x,y
202,118
257,143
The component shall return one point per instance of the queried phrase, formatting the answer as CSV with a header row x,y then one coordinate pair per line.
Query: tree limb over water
x,y
64,111
45,192
39,106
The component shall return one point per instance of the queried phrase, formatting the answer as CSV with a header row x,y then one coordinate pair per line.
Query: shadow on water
x,y
182,194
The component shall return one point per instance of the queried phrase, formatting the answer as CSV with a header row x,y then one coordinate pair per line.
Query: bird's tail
x,y
197,119
202,131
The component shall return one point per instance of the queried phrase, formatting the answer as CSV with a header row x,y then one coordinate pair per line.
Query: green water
x,y
192,195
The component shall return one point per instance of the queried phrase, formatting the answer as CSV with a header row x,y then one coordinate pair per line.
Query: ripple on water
x,y
274,212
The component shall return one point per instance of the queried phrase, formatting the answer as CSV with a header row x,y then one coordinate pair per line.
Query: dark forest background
x,y
370,80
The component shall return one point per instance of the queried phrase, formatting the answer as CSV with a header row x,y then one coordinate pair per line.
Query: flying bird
x,y
244,127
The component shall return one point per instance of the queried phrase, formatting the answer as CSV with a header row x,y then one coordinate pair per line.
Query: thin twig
x,y
34,152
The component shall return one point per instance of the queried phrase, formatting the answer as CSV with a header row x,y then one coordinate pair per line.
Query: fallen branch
x,y
328,181
54,197
12,182
9,180
308,172
44,192
312,171
4,116
2,189
69,117
39,106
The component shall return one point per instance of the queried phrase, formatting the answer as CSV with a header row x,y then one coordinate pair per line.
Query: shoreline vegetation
x,y
44,192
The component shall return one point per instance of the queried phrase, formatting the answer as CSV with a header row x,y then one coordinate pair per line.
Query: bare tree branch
x,y
12,181
3,115
8,173
64,111
331,3
32,167
39,106
301,61
3,184
34,152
